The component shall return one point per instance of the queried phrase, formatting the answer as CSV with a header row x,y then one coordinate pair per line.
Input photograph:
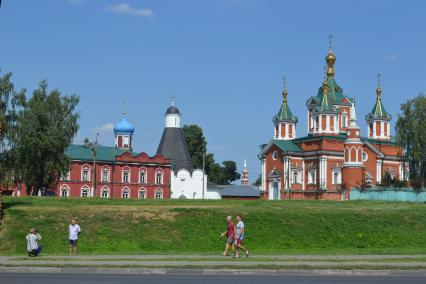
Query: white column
x,y
320,123
279,131
309,121
303,175
320,172
286,131
401,173
327,123
294,130
263,177
285,172
388,134
374,129
379,171
382,129
325,172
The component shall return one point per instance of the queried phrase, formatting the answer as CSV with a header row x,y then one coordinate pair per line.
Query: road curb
x,y
216,272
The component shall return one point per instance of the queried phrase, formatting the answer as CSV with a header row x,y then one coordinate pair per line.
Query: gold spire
x,y
285,93
379,88
330,58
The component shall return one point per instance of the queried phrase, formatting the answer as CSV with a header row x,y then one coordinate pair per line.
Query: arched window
x,y
143,176
142,193
126,175
85,191
65,191
159,177
85,173
105,192
159,193
105,174
125,193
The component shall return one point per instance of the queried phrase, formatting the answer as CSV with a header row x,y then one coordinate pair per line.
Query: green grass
x,y
193,227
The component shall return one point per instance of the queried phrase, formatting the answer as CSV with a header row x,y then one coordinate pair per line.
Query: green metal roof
x,y
287,145
378,111
327,101
103,153
285,114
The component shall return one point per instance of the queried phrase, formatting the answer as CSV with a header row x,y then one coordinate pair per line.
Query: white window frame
x,y
126,140
108,192
125,190
312,180
126,171
339,176
344,123
85,189
106,170
160,191
65,188
143,172
296,172
161,178
84,168
145,193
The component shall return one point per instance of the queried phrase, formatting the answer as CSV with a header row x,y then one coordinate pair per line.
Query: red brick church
x,y
332,158
113,171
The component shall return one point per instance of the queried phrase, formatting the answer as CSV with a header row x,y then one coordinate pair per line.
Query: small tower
x,y
353,166
378,119
172,116
245,175
173,145
123,132
285,122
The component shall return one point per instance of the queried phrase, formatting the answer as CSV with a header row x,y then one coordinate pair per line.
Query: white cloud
x,y
106,129
393,57
124,8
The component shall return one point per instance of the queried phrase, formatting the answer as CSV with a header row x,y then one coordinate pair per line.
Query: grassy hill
x,y
187,227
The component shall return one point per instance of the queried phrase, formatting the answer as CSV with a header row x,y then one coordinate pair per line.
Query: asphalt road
x,y
39,278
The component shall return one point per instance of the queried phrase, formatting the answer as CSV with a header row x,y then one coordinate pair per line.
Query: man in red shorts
x,y
230,234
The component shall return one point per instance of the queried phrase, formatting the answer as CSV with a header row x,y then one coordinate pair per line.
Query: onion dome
x,y
285,114
124,127
378,112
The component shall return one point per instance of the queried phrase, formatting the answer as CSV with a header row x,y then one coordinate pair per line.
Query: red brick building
x,y
332,158
113,171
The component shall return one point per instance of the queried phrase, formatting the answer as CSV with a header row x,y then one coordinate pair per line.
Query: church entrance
x,y
275,190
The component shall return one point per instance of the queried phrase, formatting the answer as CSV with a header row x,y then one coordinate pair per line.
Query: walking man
x,y
73,230
33,248
240,237
230,234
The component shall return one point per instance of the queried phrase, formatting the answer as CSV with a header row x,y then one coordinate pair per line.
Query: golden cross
x,y
284,80
125,107
330,37
379,76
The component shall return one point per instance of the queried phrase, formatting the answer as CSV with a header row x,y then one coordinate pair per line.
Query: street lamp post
x,y
94,164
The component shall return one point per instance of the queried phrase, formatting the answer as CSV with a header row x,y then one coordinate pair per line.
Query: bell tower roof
x,y
378,112
285,114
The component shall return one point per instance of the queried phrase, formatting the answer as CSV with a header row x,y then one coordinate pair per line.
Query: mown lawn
x,y
193,227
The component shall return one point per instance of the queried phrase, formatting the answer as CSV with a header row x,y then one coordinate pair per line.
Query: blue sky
x,y
223,60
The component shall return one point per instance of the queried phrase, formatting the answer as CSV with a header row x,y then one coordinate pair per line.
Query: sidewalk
x,y
271,262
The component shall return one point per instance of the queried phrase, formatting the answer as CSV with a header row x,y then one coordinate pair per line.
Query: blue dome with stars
x,y
124,127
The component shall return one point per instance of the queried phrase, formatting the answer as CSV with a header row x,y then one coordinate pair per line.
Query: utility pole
x,y
94,164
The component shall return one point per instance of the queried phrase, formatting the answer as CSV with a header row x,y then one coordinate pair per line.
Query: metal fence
x,y
388,194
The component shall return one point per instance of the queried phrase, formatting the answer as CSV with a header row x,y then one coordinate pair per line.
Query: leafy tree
x,y
11,103
44,129
197,143
258,181
411,133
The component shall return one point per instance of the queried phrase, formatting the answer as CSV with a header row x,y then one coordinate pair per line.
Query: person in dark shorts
x,y
230,235
73,230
